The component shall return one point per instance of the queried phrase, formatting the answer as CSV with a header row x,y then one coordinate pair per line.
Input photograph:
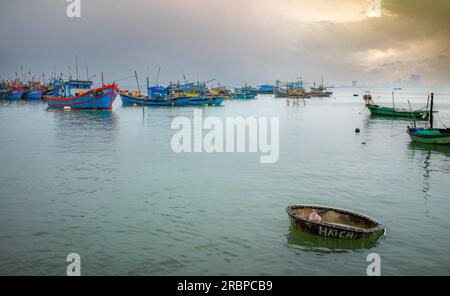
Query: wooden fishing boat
x,y
430,135
12,94
245,93
320,92
334,223
420,114
139,100
32,94
78,94
387,111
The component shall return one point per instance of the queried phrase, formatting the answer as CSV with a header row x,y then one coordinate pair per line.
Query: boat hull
x,y
32,95
12,94
338,231
386,111
128,100
321,95
245,96
442,139
215,101
100,98
198,101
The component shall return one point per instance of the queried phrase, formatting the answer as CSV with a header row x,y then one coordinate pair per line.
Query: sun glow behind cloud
x,y
374,8
306,11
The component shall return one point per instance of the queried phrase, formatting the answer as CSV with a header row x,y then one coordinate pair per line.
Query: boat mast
x,y
137,81
148,88
157,76
431,110
87,70
76,65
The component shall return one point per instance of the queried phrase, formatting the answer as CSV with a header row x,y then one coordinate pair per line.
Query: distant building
x,y
414,80
354,83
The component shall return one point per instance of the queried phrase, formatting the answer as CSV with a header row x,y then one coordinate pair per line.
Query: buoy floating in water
x,y
67,108
357,130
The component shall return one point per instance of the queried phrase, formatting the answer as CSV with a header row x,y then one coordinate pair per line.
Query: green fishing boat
x,y
420,114
431,135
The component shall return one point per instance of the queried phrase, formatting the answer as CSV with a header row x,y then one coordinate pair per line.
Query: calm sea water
x,y
107,185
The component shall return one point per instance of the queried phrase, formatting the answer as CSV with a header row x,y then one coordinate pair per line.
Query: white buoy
x,y
67,108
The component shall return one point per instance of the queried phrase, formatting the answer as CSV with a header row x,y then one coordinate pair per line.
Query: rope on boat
x,y
441,122
121,79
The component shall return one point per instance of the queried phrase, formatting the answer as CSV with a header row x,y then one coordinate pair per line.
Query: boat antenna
x,y
103,80
137,81
87,70
157,76
431,110
76,65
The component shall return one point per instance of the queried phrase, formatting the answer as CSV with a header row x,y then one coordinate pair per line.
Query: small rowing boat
x,y
430,135
334,223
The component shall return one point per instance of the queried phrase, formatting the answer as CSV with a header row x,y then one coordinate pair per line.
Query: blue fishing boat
x,y
134,99
78,94
215,101
266,89
156,96
245,93
32,94
11,94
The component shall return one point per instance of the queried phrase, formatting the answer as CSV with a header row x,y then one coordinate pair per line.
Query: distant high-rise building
x,y
397,83
354,83
414,80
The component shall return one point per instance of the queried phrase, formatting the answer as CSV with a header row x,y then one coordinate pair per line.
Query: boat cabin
x,y
158,92
76,87
71,88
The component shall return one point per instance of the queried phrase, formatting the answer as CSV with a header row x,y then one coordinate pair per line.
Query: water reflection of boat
x,y
84,120
322,245
429,152
442,149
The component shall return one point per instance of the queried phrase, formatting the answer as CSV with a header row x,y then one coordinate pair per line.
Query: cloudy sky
x,y
231,40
